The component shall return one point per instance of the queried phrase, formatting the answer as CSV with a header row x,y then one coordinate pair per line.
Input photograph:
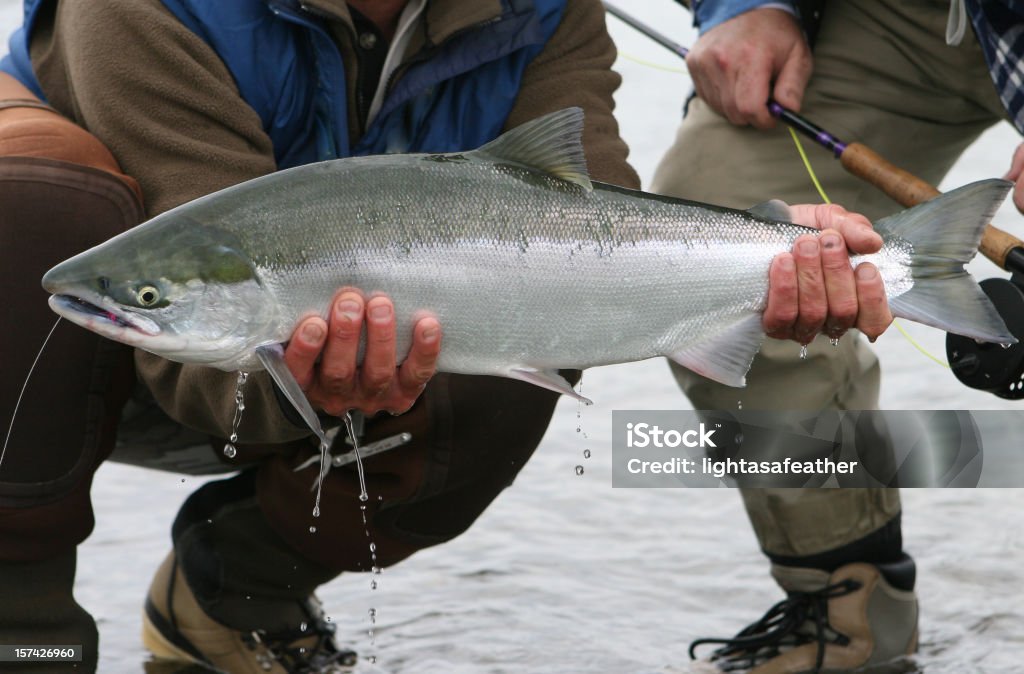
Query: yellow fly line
x,y
824,197
652,64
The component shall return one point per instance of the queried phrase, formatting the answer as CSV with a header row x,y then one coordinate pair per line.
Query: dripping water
x,y
230,450
24,386
324,467
579,426
363,496
803,352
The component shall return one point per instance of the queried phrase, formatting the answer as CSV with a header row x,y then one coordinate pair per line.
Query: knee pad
x,y
52,208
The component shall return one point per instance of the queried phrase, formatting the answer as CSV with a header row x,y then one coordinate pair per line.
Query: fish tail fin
x,y
945,233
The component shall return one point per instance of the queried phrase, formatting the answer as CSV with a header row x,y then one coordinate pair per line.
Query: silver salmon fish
x,y
529,266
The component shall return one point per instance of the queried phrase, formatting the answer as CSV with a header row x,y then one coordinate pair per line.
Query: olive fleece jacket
x,y
167,107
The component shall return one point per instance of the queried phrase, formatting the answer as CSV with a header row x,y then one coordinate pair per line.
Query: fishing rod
x,y
987,367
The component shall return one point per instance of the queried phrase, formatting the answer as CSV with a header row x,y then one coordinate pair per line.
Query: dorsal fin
x,y
772,210
552,144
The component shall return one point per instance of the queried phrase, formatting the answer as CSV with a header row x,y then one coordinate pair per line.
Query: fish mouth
x,y
104,317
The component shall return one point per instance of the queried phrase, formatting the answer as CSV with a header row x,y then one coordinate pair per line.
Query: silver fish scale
x,y
519,267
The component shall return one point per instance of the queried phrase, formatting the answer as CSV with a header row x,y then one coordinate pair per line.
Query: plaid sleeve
x,y
999,25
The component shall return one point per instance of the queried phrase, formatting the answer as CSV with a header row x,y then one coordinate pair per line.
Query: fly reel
x,y
993,367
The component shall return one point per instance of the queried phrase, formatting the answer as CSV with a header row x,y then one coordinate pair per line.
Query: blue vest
x,y
289,70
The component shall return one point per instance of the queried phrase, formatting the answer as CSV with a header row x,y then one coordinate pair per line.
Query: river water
x,y
563,574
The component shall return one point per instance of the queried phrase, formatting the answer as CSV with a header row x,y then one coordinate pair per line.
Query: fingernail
x,y
380,311
808,247
786,263
348,309
312,332
830,241
866,272
430,334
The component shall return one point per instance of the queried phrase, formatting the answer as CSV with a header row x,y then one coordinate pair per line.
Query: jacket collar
x,y
443,18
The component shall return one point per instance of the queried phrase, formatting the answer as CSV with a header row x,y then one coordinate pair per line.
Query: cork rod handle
x,y
909,190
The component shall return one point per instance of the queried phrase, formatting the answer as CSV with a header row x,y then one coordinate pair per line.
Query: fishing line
x,y
824,197
807,165
23,387
652,64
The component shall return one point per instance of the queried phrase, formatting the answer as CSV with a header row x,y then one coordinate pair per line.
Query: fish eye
x,y
147,295
104,283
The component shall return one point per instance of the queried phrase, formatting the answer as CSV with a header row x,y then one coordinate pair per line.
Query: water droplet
x,y
229,449
303,627
834,341
739,438
586,453
578,429
1006,346
182,479
373,547
803,352
579,470
351,428
739,404
316,511
376,570
380,497
312,530
372,658
373,584
373,614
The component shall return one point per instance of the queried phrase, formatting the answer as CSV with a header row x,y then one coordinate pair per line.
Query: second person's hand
x,y
815,289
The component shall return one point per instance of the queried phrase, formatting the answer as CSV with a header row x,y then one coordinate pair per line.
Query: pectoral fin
x,y
549,379
727,356
272,357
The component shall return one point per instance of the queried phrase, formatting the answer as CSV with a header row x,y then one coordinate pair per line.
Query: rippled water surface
x,y
563,573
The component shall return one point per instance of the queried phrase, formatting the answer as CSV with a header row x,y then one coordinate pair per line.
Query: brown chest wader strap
x,y
26,103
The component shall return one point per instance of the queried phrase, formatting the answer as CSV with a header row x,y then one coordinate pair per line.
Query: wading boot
x,y
234,595
37,608
175,627
851,620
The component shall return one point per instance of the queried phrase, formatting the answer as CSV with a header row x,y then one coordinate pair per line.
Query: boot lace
x,y
799,619
310,649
